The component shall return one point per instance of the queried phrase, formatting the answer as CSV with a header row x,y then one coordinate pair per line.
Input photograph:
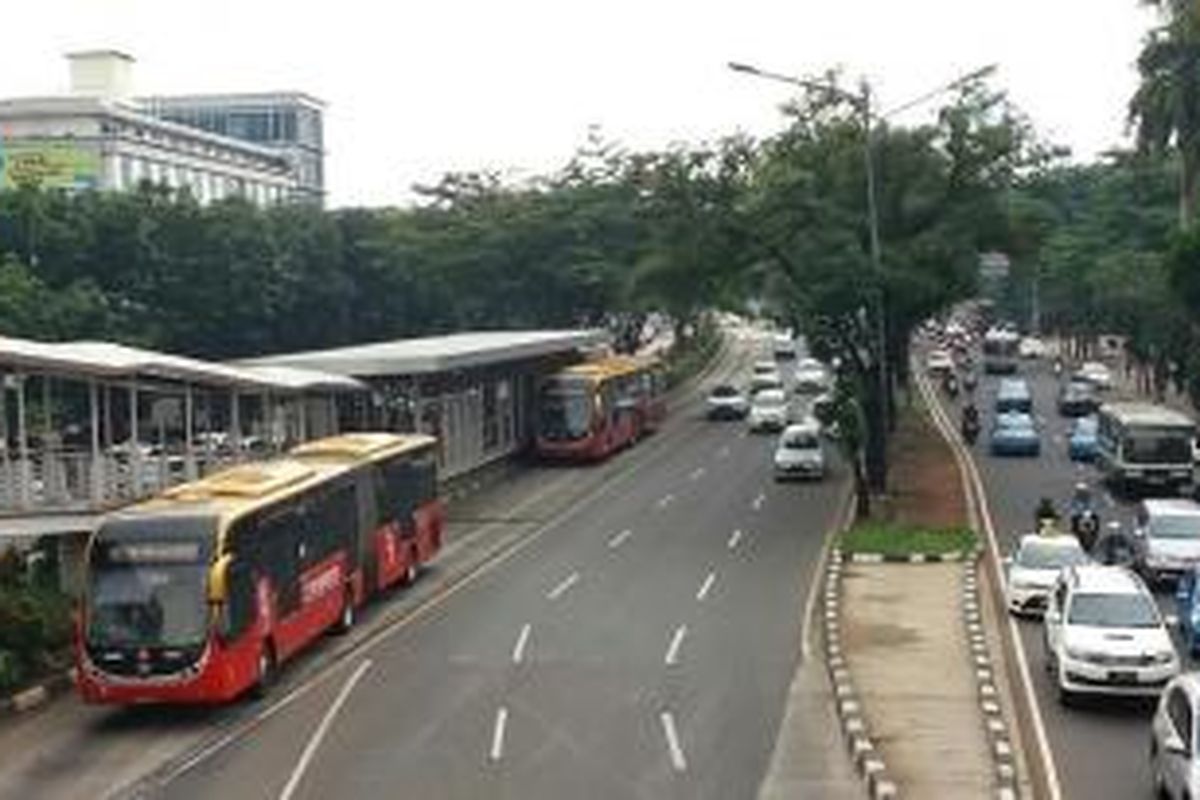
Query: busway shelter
x,y
476,392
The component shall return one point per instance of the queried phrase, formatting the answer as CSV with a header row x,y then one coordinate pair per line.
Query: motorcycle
x,y
950,385
970,382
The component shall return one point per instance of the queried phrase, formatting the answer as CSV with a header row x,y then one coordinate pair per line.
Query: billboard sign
x,y
50,165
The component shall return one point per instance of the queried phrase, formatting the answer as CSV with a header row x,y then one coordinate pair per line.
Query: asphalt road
x,y
635,640
1100,746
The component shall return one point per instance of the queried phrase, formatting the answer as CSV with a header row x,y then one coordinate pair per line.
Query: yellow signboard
x,y
50,165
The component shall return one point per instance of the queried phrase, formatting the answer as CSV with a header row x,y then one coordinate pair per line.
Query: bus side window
x,y
239,602
426,478
280,537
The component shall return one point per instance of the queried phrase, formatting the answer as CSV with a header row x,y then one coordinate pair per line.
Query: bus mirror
x,y
218,579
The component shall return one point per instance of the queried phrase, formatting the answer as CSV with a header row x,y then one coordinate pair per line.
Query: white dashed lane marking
x,y
561,589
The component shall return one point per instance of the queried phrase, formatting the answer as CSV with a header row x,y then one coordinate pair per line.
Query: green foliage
x,y
35,625
900,540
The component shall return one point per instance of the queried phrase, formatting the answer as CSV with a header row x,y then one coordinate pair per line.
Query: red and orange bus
x,y
201,593
589,410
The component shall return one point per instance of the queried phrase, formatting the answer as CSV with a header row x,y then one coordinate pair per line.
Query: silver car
x,y
799,453
1174,765
1168,534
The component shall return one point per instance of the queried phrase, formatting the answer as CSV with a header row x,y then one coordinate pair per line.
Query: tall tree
x,y
1166,106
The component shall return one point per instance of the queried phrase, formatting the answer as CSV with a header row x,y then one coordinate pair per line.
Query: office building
x,y
99,137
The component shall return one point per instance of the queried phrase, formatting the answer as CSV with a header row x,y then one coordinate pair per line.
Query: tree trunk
x,y
1187,188
876,449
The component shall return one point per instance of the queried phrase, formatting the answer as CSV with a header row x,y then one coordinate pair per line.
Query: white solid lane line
x,y
314,741
523,639
697,473
704,587
666,500
672,656
561,589
734,538
498,734
678,762
619,539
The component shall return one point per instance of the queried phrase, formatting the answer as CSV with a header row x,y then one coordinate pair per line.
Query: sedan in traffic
x,y
1077,399
726,402
1174,750
1034,568
1015,434
1083,441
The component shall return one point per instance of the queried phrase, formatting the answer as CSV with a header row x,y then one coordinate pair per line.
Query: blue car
x,y
1015,434
1187,608
1082,442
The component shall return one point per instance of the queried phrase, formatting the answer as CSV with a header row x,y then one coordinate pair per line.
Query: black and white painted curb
x,y
1000,744
868,761
908,558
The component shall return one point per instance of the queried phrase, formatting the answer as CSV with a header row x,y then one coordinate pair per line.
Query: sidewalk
x,y
908,656
904,641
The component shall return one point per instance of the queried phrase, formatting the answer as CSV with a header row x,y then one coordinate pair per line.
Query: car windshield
x,y
1086,426
147,594
802,441
565,414
1041,554
1175,526
1113,610
1164,447
724,391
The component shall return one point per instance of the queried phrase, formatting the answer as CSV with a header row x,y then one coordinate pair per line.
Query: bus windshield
x,y
1157,447
565,413
147,594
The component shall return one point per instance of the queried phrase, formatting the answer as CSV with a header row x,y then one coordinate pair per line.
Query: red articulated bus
x,y
587,411
199,595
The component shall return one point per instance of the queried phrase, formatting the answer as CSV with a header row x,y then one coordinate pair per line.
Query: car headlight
x,y
1163,657
1083,654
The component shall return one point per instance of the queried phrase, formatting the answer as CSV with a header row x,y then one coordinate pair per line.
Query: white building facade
x,y
98,138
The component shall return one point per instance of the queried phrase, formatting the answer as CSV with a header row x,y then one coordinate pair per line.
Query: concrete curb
x,y
37,695
909,558
868,761
1000,746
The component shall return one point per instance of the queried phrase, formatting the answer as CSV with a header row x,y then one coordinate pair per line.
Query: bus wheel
x,y
346,620
266,671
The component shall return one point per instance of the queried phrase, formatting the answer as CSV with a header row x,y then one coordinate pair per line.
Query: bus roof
x,y
232,493
610,367
1148,414
351,447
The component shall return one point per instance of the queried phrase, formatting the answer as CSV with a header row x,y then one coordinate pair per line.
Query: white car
x,y
1031,347
799,453
726,402
764,368
1104,635
1034,568
1174,763
1168,533
811,377
939,362
784,347
1096,374
768,411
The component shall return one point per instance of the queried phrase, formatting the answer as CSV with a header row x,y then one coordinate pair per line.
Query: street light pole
x,y
876,257
862,103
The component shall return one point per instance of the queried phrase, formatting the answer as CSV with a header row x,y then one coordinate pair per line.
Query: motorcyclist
x,y
950,384
1116,547
1085,523
970,422
1045,517
970,382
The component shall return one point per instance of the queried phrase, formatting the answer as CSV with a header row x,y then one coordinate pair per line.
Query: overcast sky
x,y
422,87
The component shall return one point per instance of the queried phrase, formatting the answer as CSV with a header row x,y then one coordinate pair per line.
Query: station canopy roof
x,y
433,354
106,360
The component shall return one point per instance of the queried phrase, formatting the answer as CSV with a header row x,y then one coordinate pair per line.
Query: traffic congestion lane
x,y
1099,747
474,702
